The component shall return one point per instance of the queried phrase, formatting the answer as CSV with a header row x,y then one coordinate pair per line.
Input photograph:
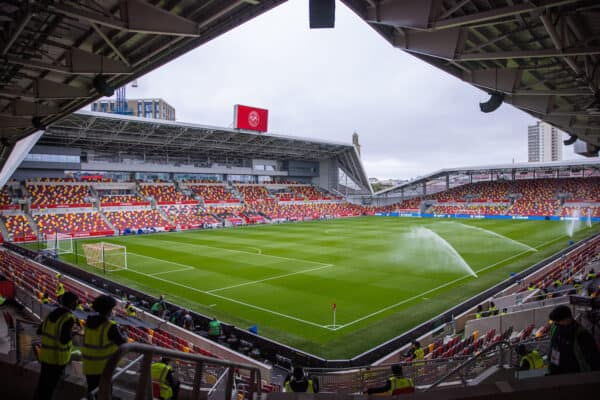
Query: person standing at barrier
x,y
214,329
299,382
396,384
572,347
101,340
163,375
55,353
60,288
130,310
418,354
529,359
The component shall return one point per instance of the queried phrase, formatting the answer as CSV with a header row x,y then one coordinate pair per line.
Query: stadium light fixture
x,y
572,139
102,86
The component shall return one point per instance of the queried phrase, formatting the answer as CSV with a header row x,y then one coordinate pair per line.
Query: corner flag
x,y
333,306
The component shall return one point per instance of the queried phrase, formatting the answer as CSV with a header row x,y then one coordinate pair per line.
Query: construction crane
x,y
121,103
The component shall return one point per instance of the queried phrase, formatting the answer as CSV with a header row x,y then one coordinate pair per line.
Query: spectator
x,y
130,310
299,382
45,298
101,340
57,336
529,359
60,288
162,373
590,275
572,347
159,307
177,317
479,312
492,309
418,354
188,321
214,329
395,384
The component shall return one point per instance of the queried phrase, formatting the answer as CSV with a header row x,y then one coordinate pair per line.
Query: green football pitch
x,y
385,275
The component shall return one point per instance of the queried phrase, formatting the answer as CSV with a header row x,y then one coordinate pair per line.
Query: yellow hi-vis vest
x,y
309,389
97,348
159,374
400,385
534,359
130,311
60,289
419,356
53,351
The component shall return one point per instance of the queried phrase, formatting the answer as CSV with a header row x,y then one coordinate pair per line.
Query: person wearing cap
x,y
299,382
529,359
162,374
396,384
101,340
572,347
55,353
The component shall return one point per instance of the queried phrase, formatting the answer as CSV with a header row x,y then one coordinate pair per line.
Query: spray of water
x,y
438,254
495,234
574,223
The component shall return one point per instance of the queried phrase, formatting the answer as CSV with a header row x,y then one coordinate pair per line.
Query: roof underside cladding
x,y
54,51
542,55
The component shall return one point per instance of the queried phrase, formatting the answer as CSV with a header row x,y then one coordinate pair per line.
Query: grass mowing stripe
x,y
489,232
232,300
247,252
269,279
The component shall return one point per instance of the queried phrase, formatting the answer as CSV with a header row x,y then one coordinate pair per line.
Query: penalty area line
x,y
259,308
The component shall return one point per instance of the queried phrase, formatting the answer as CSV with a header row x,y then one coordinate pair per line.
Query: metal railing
x,y
426,374
138,359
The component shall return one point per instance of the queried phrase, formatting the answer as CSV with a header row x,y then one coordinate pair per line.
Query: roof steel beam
x,y
546,53
78,62
138,17
15,35
110,44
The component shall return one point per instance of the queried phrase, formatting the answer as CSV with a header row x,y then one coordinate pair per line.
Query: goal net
x,y
106,256
60,243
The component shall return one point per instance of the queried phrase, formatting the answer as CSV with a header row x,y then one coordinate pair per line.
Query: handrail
x,y
144,384
468,362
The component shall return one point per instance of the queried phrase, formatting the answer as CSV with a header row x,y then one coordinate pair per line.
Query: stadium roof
x,y
58,56
112,133
508,169
542,55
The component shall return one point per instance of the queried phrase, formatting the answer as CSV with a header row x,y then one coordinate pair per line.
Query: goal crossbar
x,y
107,256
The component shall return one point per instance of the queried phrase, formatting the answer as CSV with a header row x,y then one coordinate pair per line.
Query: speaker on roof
x,y
495,101
102,86
322,13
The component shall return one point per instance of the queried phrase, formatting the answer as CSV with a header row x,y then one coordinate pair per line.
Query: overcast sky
x,y
411,117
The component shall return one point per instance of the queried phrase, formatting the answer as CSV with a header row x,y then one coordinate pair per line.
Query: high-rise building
x,y
145,108
544,143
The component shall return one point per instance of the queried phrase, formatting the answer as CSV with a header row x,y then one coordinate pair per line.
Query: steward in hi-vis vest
x,y
164,377
55,353
101,340
529,359
301,383
395,384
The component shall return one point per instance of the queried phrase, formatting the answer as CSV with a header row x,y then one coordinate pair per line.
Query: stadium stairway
x,y
4,231
163,214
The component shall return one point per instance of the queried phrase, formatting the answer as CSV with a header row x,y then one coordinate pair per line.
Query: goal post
x,y
60,243
106,256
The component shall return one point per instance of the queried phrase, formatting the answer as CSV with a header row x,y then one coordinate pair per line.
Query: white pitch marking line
x,y
246,252
164,261
437,288
174,270
269,279
231,300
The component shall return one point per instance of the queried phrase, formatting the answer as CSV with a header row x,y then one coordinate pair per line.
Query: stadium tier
x,y
136,219
164,194
187,217
18,227
55,195
75,224
252,193
122,200
213,193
